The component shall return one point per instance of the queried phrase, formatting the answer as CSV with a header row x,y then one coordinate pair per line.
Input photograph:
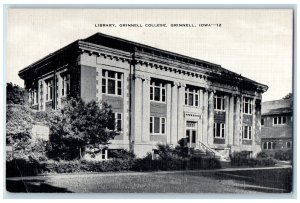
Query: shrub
x,y
283,155
238,161
120,154
262,155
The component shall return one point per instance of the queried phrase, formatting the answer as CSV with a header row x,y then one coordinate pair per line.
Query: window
x,y
65,88
247,132
111,82
219,130
247,105
219,103
33,96
157,125
288,145
118,120
158,91
49,89
262,121
269,145
191,97
279,120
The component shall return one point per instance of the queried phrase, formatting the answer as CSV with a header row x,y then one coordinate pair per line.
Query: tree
x,y
79,126
288,96
15,94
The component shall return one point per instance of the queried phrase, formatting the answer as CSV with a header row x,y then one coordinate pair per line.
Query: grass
x,y
276,180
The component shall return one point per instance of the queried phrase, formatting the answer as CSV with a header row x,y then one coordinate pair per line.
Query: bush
x,y
252,162
283,155
120,154
89,166
262,155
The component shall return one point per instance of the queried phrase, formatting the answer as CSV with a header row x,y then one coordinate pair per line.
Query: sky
x,y
254,43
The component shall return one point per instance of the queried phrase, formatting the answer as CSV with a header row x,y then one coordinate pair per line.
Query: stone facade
x,y
158,96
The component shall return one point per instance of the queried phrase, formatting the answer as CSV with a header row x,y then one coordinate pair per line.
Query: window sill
x,y
196,107
112,95
217,110
250,114
160,102
158,134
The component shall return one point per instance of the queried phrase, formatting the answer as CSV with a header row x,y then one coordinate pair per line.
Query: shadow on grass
x,y
32,186
273,180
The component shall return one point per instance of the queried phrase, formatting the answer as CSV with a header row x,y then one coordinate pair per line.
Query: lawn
x,y
257,181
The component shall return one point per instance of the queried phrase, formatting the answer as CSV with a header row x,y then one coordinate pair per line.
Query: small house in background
x,y
277,125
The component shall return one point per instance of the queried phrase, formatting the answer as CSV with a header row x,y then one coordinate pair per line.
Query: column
x,y
200,131
230,120
253,123
146,110
168,120
205,117
227,119
137,110
210,130
174,114
125,103
181,123
237,126
99,85
40,94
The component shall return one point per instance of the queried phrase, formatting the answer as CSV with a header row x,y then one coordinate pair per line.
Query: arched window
x,y
265,145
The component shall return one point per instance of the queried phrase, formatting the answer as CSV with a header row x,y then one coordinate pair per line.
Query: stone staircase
x,y
203,150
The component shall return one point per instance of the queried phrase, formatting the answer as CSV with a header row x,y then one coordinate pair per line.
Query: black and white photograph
x,y
149,101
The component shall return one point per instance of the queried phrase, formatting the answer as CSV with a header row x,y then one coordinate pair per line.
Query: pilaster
x,y
146,109
200,126
237,124
210,130
181,123
205,118
168,120
174,114
230,120
137,110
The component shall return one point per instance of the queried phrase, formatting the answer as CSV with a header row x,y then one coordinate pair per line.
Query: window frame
x,y
262,121
195,94
162,91
33,96
281,119
66,84
49,83
118,119
222,133
272,144
222,98
162,125
249,104
117,80
249,132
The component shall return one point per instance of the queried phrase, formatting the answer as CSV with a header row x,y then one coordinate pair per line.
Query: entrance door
x,y
191,133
